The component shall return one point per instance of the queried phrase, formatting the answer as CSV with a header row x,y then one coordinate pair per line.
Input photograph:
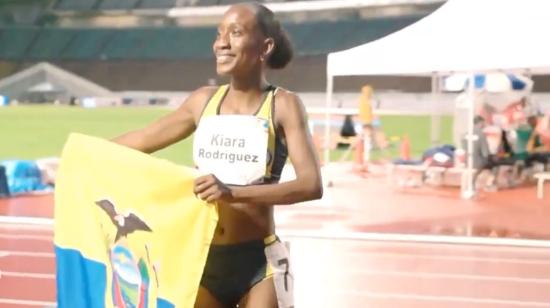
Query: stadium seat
x,y
15,41
118,4
50,43
156,4
206,2
76,5
87,44
183,3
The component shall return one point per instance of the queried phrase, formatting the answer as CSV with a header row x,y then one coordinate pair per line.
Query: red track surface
x,y
346,273
337,273
27,266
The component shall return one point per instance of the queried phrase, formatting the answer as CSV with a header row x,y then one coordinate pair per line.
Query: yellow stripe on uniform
x,y
213,104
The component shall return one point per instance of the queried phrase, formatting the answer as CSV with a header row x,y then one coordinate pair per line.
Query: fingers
x,y
211,194
202,183
207,188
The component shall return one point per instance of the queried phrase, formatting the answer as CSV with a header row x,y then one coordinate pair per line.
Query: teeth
x,y
223,58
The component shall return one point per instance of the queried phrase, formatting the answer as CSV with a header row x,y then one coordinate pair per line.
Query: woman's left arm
x,y
291,117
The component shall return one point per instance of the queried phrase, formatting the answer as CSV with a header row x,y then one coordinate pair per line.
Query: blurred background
x,y
401,202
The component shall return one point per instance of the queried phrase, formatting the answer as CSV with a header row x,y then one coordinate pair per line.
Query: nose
x,y
222,41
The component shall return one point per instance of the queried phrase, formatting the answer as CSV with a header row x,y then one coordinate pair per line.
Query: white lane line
x,y
26,237
418,245
28,254
26,220
408,255
433,298
13,301
416,238
6,225
28,275
431,275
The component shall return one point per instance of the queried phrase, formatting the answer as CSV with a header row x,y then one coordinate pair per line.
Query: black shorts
x,y
232,270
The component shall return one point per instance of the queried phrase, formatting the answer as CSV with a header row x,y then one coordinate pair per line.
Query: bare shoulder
x,y
195,102
289,109
288,101
200,95
286,96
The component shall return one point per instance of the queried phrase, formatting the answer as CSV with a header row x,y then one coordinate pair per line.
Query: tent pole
x,y
326,143
435,118
468,185
529,94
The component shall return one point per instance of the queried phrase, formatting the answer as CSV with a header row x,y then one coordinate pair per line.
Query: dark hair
x,y
271,27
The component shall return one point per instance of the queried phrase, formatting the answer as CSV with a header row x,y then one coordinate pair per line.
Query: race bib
x,y
278,257
232,147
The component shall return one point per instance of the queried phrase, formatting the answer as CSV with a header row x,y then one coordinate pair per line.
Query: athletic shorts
x,y
232,270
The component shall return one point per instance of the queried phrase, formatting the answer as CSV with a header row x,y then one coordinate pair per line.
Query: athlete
x,y
244,132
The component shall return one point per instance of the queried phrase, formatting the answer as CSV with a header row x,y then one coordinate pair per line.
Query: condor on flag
x,y
129,232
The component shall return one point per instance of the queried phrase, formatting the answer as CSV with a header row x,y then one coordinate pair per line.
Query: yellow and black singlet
x,y
276,147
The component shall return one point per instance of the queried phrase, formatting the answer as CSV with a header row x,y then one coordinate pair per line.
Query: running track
x,y
374,270
334,273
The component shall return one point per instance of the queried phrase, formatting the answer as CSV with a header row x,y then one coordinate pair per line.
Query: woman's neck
x,y
251,83
247,91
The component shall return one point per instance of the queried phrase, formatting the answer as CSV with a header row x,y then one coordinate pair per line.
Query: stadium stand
x,y
118,4
174,42
323,37
76,5
15,41
112,42
207,2
86,5
87,44
49,44
156,4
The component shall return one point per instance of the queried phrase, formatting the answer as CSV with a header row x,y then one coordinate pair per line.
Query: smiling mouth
x,y
223,58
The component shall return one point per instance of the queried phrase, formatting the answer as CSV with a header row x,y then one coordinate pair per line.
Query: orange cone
x,y
405,148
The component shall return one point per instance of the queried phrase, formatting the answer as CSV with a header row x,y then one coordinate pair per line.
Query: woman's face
x,y
239,44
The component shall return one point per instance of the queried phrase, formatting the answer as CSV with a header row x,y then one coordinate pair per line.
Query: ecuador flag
x,y
129,232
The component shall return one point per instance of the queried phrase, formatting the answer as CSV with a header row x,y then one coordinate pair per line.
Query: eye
x,y
236,32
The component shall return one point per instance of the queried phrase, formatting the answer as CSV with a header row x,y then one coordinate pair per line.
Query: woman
x,y
237,271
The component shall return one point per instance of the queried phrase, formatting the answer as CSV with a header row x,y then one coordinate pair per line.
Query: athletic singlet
x,y
275,156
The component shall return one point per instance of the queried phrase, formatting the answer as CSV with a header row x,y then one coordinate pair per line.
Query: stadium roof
x,y
461,36
297,6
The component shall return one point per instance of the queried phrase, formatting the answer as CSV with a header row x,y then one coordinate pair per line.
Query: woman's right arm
x,y
171,128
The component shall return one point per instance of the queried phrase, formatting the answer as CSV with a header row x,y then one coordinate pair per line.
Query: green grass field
x,y
30,132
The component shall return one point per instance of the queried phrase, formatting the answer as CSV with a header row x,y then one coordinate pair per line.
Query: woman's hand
x,y
208,188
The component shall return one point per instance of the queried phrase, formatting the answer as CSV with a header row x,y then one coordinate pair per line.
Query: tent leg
x,y
326,143
467,189
435,117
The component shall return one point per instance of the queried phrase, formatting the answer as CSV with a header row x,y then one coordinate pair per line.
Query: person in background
x,y
537,151
484,160
366,119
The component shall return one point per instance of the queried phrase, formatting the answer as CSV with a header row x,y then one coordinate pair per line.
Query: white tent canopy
x,y
470,36
461,36
45,77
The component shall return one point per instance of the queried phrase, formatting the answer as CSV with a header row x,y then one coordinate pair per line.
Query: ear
x,y
269,47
